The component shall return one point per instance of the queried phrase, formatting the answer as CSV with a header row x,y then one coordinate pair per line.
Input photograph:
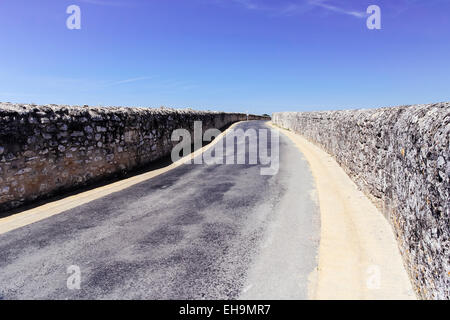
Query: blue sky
x,y
233,55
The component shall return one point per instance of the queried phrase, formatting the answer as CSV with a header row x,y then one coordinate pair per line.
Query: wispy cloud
x,y
289,8
158,83
128,81
334,8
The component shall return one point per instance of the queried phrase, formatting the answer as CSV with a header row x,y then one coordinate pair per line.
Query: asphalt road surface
x,y
195,232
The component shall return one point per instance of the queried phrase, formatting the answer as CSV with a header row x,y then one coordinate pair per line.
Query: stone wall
x,y
47,149
400,157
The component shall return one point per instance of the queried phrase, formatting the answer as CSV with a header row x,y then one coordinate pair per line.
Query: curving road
x,y
195,232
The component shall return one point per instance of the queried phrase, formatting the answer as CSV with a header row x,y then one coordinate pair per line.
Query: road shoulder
x,y
358,253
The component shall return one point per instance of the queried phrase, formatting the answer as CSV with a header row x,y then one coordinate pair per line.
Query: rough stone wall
x,y
46,149
400,157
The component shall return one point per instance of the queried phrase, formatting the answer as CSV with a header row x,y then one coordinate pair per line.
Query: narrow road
x,y
195,232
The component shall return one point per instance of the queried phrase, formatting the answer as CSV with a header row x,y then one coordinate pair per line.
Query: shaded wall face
x,y
46,149
400,157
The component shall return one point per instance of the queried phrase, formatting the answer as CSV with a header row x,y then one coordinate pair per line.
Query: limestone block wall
x,y
400,157
46,149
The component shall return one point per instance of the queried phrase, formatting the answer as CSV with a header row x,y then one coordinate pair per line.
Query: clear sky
x,y
232,55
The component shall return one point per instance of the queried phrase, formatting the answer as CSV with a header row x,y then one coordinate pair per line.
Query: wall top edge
x,y
415,107
7,108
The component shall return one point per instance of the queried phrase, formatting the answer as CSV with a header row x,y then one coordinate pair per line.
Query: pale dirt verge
x,y
358,254
52,208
